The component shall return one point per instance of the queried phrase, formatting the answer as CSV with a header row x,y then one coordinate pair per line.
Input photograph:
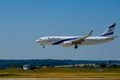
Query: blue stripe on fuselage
x,y
61,41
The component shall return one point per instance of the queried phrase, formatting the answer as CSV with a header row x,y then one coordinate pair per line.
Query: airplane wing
x,y
79,41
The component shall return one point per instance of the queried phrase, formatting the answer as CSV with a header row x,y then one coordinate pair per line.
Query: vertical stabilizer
x,y
109,31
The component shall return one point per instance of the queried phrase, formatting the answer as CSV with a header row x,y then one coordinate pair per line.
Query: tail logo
x,y
109,30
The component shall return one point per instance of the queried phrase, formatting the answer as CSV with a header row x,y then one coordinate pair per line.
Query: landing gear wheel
x,y
43,46
75,47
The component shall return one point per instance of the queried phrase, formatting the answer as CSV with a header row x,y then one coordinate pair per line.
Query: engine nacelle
x,y
67,44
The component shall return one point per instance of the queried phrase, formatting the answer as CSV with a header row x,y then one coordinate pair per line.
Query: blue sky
x,y
24,21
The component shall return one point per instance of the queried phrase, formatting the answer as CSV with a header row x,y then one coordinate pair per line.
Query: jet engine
x,y
67,44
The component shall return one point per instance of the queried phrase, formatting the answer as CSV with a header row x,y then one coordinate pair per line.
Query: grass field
x,y
61,73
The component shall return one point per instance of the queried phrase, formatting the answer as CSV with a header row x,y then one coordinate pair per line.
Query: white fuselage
x,y
66,40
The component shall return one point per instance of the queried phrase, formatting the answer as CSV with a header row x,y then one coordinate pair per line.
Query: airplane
x,y
67,41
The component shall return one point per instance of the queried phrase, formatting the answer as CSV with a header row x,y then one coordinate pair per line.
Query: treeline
x,y
51,62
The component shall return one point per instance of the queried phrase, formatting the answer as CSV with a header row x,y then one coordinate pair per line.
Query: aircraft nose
x,y
37,41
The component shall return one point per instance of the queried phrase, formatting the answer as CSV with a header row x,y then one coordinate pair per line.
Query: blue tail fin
x,y
109,31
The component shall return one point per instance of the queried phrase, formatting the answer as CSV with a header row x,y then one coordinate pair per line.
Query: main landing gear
x,y
43,46
76,46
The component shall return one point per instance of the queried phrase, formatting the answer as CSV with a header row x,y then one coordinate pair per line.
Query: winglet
x,y
89,34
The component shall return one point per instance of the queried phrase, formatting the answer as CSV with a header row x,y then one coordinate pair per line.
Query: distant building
x,y
85,65
64,66
26,67
109,64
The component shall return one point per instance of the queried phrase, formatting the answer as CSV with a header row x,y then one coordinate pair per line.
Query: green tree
x,y
13,65
115,66
103,65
